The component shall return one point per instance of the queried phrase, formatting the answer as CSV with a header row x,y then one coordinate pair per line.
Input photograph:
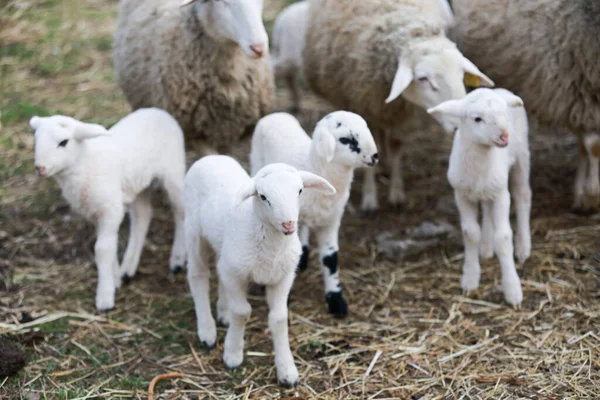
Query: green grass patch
x,y
21,111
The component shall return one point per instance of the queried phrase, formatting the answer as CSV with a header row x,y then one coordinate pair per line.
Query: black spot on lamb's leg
x,y
126,279
337,305
303,263
177,269
331,262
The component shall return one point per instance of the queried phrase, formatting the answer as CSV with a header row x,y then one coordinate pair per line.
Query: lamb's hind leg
x,y
174,187
140,214
304,240
105,252
486,247
521,193
327,240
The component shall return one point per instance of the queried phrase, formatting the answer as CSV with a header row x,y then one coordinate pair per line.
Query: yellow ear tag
x,y
472,80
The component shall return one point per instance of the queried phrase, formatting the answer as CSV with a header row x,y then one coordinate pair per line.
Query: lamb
x,y
549,57
398,52
205,62
341,142
490,145
102,171
289,32
251,225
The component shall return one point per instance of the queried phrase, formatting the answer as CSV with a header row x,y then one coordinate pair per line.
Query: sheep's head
x,y
433,71
276,189
236,20
485,114
344,137
57,141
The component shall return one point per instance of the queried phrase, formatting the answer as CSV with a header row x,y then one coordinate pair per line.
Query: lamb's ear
x,y
247,191
186,2
34,122
404,76
88,131
450,108
471,69
513,100
312,181
324,142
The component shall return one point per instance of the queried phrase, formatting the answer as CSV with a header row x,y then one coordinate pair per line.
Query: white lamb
x,y
101,172
341,142
289,33
251,224
490,145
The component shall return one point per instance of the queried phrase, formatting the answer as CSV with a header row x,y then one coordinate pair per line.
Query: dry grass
x,y
410,334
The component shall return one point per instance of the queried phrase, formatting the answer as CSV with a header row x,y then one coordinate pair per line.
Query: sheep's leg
x,y
580,177
591,142
327,240
521,193
222,307
397,196
503,243
486,247
304,240
471,236
370,202
105,251
198,275
277,295
239,313
140,214
174,188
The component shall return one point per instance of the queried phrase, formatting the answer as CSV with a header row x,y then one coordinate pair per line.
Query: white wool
x,y
490,145
341,142
245,221
289,34
102,172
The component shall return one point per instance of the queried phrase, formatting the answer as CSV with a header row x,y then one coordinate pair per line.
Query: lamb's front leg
x,y
486,247
327,240
305,241
277,295
140,215
239,313
471,237
503,241
105,251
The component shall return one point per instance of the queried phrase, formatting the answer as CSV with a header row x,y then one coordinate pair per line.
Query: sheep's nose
x,y
504,135
41,171
258,49
375,158
288,227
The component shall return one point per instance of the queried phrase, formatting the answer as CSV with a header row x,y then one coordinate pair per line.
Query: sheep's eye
x,y
63,143
263,198
423,79
300,192
477,119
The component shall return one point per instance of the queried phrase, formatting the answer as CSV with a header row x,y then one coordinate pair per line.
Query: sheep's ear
x,y
450,108
34,122
248,190
404,76
473,76
447,12
312,181
88,131
186,2
325,143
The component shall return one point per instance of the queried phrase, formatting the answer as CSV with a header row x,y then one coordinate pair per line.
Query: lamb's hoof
x,y
337,304
287,376
176,269
207,346
233,362
522,251
126,279
469,283
513,293
105,303
303,263
397,200
222,322
288,384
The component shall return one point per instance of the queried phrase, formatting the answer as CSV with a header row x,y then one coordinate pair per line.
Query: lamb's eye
x,y
263,198
423,79
300,192
338,124
477,119
344,140
63,143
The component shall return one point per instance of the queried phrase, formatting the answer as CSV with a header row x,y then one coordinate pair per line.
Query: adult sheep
x,y
204,61
384,59
550,57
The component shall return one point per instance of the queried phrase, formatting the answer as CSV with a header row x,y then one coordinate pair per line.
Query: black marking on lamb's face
x,y
331,262
352,143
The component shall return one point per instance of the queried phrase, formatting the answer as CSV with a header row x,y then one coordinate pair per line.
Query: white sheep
x,y
341,142
490,145
289,32
204,61
251,225
102,172
385,60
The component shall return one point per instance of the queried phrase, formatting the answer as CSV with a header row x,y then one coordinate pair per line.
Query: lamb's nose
x,y
40,170
258,49
289,227
504,135
375,158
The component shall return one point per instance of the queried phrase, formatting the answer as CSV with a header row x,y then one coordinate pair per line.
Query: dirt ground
x,y
410,333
